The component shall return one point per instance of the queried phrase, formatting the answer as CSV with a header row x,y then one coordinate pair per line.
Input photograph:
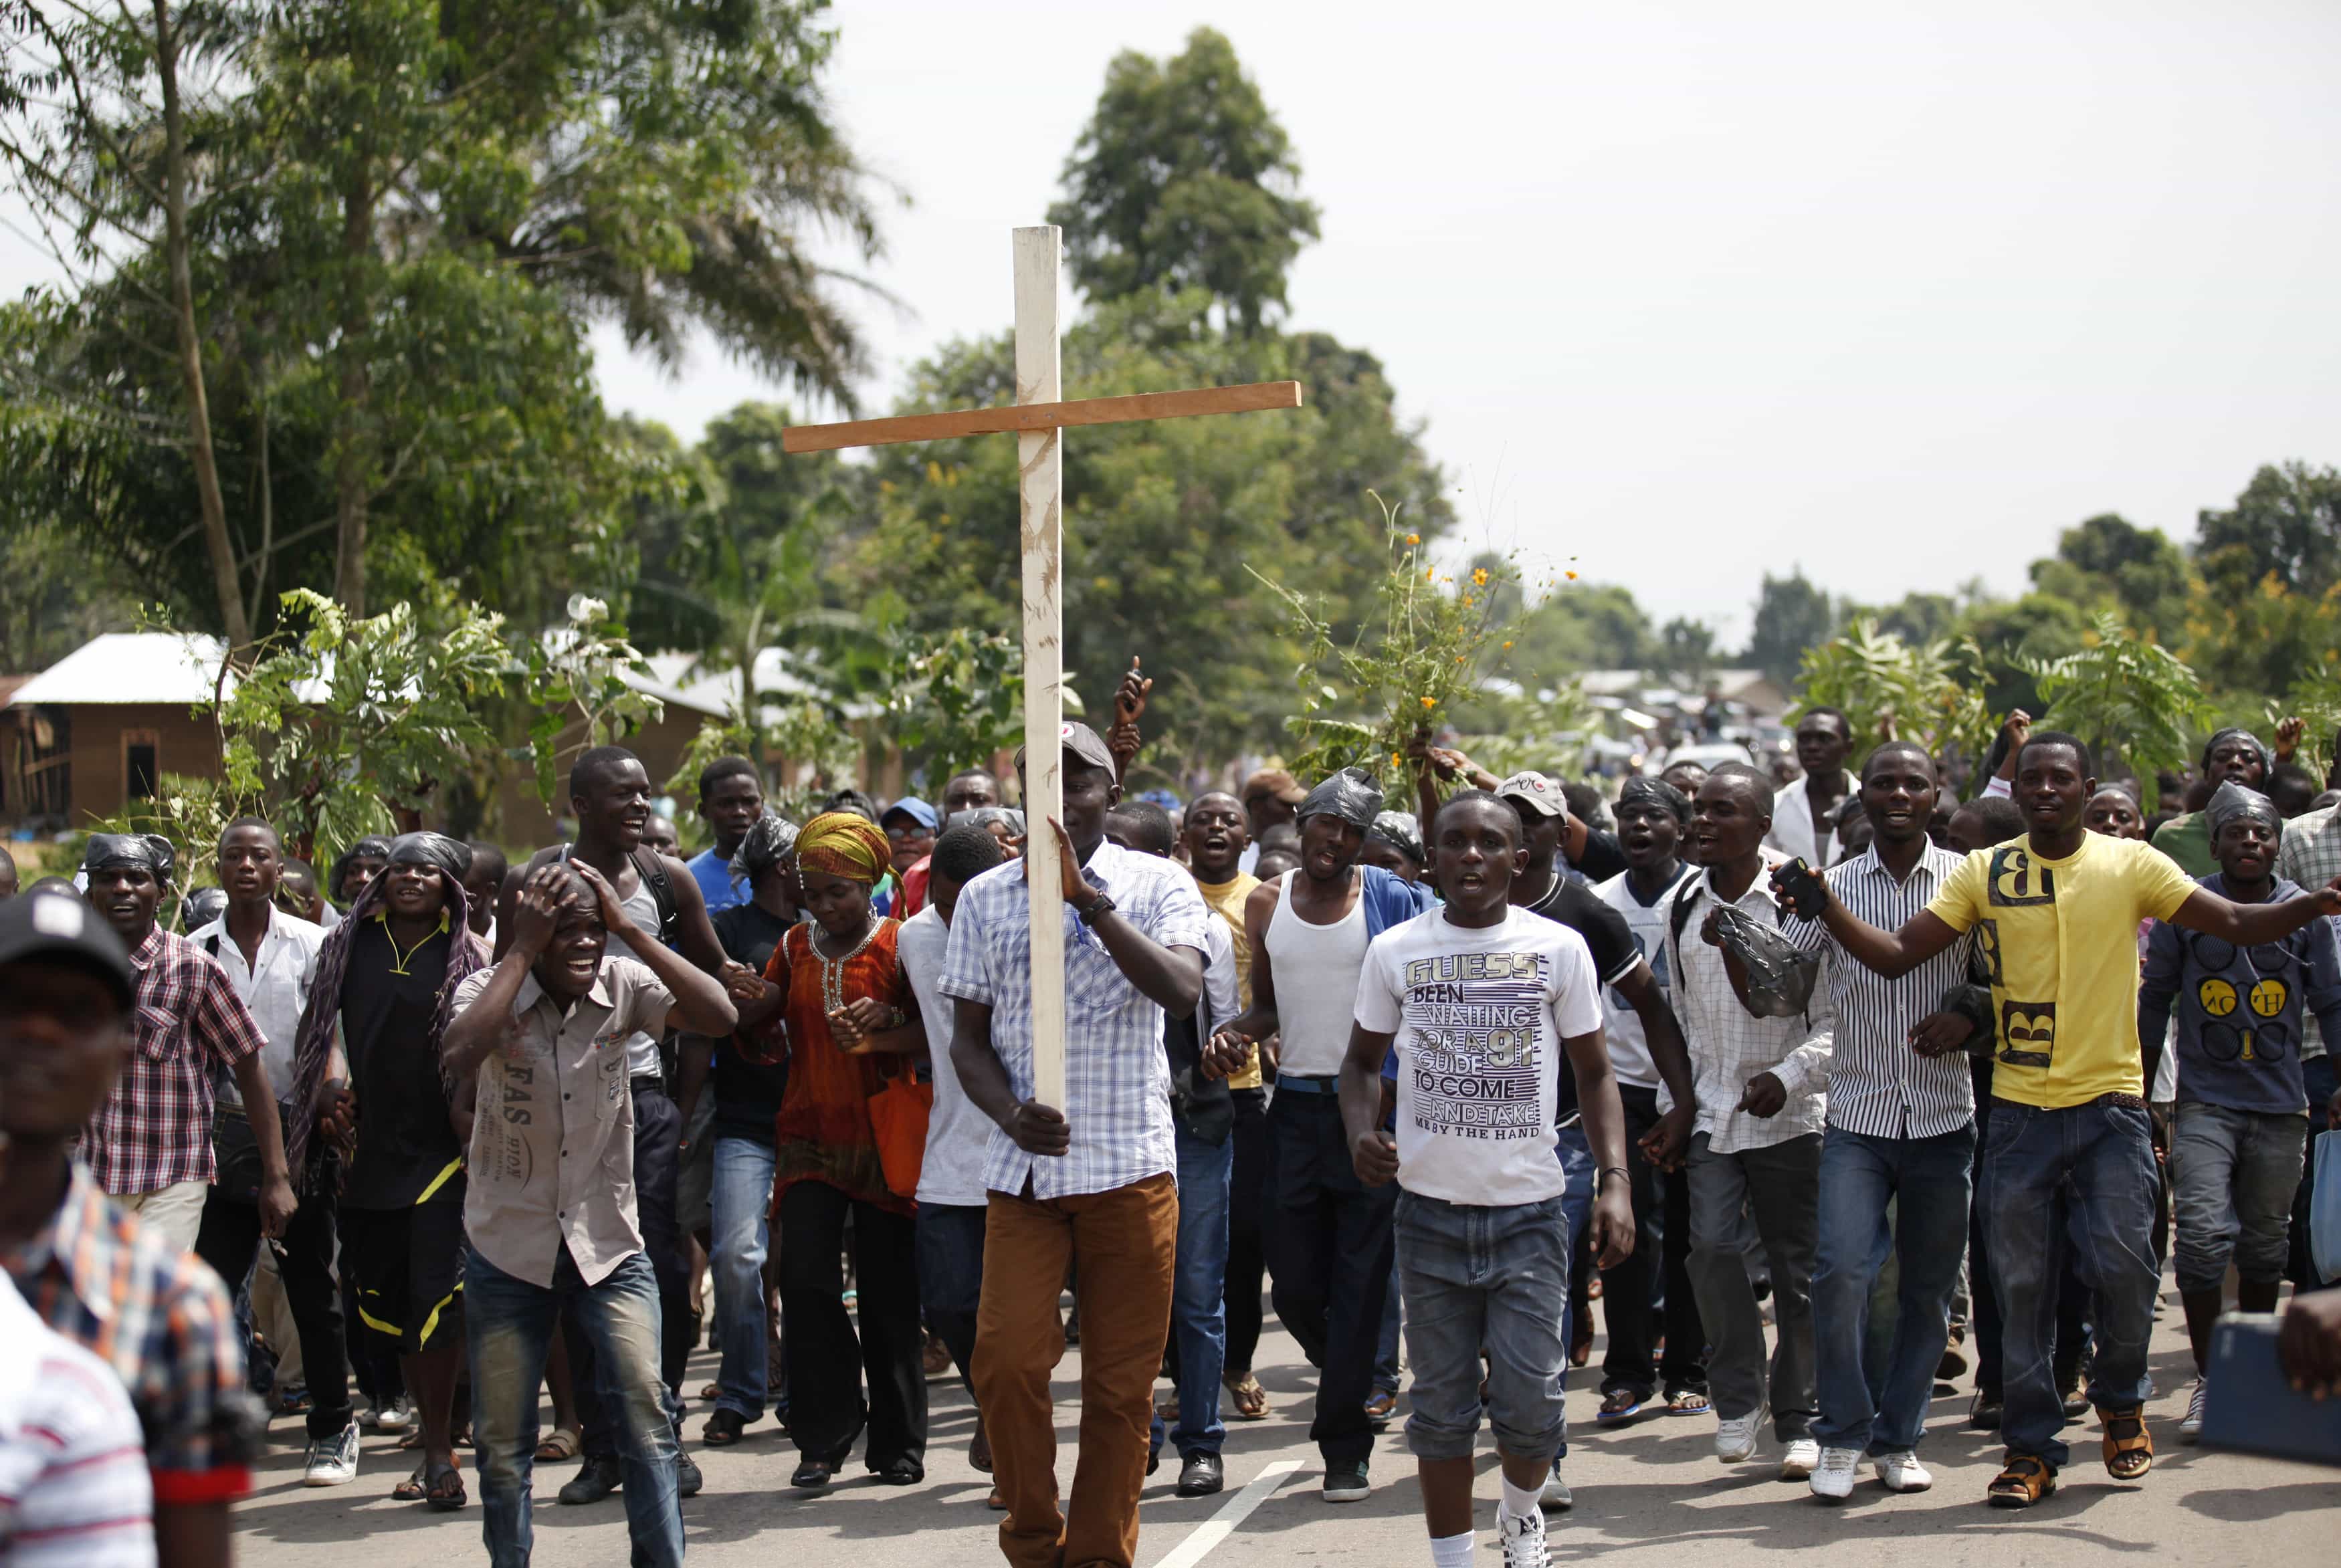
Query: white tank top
x,y
642,909
1316,969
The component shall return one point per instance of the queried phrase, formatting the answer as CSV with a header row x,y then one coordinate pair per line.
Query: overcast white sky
x,y
1690,290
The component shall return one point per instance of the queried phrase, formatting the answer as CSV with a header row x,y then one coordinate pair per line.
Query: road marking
x,y
1222,1524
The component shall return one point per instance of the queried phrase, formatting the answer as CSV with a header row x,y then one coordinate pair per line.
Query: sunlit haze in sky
x,y
1694,291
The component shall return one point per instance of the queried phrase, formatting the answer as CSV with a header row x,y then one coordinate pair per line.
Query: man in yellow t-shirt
x,y
2056,915
1217,833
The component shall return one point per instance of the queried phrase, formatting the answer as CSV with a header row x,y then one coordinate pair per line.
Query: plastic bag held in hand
x,y
1779,975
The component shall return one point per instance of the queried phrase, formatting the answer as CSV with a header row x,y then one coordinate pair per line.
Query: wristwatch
x,y
1096,909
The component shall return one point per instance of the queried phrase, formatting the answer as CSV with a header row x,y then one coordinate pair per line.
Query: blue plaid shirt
x,y
1117,1078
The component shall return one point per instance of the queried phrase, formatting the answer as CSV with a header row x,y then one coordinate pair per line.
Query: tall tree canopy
x,y
1184,180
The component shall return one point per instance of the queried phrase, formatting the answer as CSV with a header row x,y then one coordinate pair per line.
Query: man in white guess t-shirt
x,y
1481,1001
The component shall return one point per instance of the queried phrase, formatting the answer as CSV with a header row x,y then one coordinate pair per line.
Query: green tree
x,y
1183,179
1929,692
1791,616
1161,518
2124,694
1686,650
2109,563
2286,524
2036,626
1583,626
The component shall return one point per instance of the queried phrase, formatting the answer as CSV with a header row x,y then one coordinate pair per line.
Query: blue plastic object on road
x,y
2325,1209
2252,1405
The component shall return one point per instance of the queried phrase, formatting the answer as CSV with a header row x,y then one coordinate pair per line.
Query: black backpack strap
x,y
1679,913
651,866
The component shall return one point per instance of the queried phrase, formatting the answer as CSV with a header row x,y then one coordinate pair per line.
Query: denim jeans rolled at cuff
x,y
508,1323
1778,1185
1198,1323
1329,1252
737,1200
1492,1278
2104,1221
2233,1175
1882,1408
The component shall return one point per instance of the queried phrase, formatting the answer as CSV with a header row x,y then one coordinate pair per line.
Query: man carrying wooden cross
x,y
1092,1181
1060,967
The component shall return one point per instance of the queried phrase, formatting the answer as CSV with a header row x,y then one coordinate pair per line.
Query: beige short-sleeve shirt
x,y
551,1161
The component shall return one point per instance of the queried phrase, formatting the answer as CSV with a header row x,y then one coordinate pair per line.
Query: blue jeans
x,y
509,1323
1199,1319
738,1201
950,1277
2107,1154
1576,1213
1492,1278
1884,1410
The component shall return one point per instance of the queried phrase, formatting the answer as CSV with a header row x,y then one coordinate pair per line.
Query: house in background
x,y
98,728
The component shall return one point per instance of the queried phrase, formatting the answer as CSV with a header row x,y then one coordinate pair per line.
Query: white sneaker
x,y
1735,1438
397,1418
1557,1493
333,1461
1901,1471
1523,1539
2197,1393
1799,1459
1834,1479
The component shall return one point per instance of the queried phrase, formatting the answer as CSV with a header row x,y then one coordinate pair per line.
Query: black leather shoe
x,y
1200,1475
812,1475
596,1479
901,1471
687,1479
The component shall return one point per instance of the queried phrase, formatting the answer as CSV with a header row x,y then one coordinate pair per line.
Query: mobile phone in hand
x,y
1801,887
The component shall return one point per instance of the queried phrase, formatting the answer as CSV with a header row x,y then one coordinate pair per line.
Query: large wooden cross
x,y
1039,418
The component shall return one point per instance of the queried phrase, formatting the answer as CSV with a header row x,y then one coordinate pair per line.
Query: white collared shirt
x,y
275,987
1792,827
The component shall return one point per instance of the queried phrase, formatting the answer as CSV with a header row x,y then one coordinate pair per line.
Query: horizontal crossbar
x,y
1246,399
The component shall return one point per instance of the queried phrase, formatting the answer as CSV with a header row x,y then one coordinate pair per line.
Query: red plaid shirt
x,y
155,1128
163,1320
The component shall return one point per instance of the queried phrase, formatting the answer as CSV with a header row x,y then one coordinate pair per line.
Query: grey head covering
x,y
764,846
1642,790
2233,801
1351,795
2238,732
150,850
1400,830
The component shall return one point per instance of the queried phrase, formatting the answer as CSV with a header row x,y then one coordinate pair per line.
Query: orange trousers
x,y
1125,1242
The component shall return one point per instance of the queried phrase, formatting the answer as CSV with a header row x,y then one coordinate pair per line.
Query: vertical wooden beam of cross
x,y
1039,419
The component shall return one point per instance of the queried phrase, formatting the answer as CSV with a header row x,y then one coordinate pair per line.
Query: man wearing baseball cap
x,y
1092,1180
102,1277
1269,797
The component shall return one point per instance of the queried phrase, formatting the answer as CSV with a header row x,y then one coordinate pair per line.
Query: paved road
x,y
1645,1493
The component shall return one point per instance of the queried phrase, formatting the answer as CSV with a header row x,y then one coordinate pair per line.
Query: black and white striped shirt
x,y
1878,1086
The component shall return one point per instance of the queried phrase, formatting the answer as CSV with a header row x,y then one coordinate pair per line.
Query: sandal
x,y
1620,1404
1250,1398
559,1448
711,1393
2026,1480
723,1429
996,1503
2129,1447
410,1490
1688,1401
446,1490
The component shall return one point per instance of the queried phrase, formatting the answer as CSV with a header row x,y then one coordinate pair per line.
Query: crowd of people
x,y
1824,1094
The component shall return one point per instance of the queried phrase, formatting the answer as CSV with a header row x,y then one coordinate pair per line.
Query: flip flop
x,y
559,1448
447,1491
1623,1405
1688,1401
1250,1398
723,1429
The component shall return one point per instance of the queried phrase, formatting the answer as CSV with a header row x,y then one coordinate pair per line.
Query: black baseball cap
x,y
62,928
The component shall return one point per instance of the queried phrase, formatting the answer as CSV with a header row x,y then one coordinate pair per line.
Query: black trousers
x,y
827,1360
1660,1256
1248,1199
658,1158
229,1240
1331,1249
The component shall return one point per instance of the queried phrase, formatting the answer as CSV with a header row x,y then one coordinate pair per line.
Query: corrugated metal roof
x,y
122,666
